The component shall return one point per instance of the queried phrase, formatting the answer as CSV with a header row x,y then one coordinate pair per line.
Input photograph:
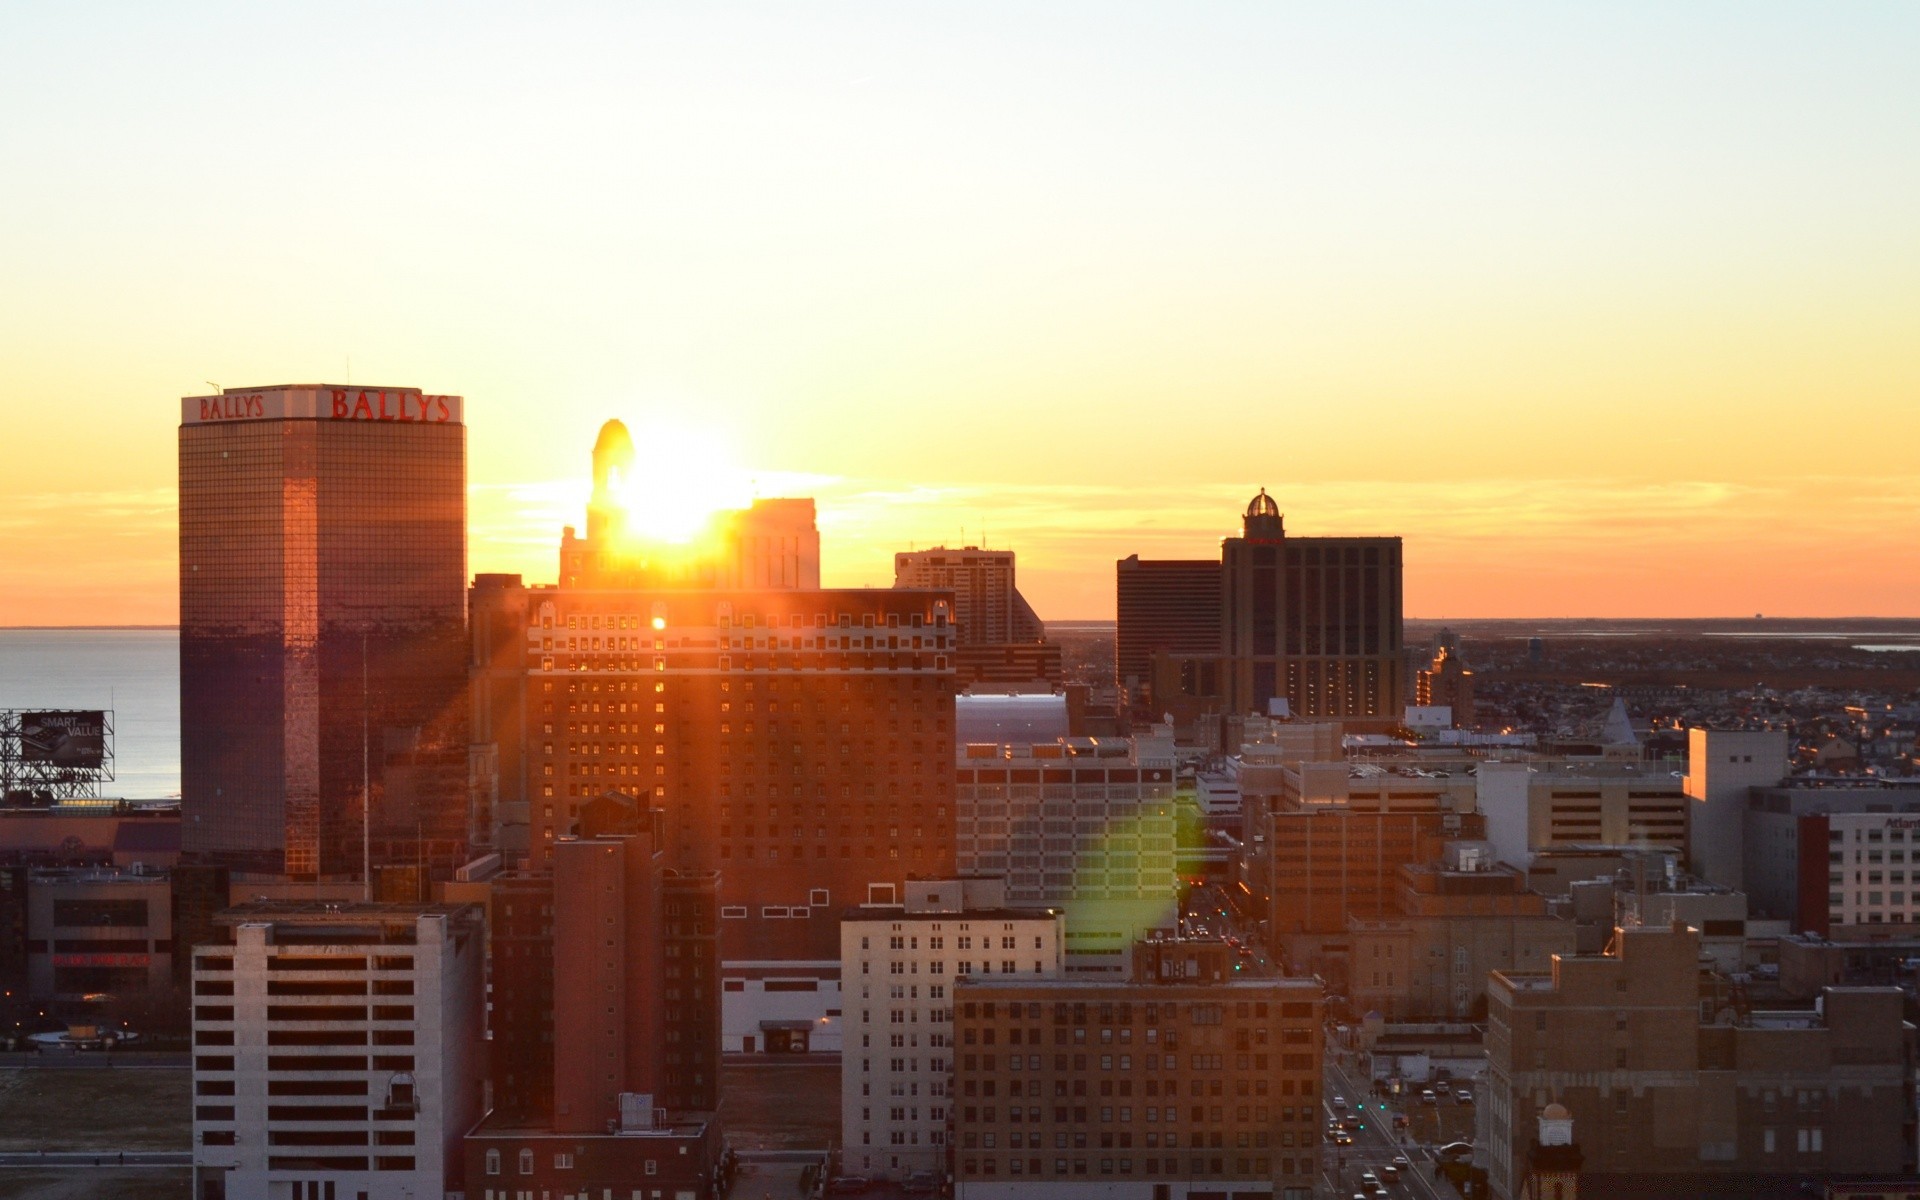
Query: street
x,y
1374,1145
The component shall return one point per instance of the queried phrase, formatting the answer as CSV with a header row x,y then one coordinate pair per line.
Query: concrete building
x,y
1177,1085
1540,804
338,1050
1722,767
98,931
1664,1071
323,630
1001,639
900,964
1086,825
1840,860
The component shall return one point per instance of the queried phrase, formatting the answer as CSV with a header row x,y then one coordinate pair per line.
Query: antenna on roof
x,y
210,383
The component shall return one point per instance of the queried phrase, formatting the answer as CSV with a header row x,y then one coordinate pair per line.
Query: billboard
x,y
64,739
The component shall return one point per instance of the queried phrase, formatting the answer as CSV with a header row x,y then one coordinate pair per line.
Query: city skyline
x,y
1603,313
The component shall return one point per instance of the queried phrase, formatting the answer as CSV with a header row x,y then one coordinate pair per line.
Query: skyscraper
x,y
322,628
1314,621
1001,639
1164,606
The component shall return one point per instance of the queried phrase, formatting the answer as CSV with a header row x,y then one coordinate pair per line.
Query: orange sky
x,y
1607,312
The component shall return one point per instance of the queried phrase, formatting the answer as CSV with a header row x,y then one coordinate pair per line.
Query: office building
x,y
900,964
1170,608
1187,1081
338,1050
323,630
1306,627
987,606
1667,1070
1086,825
92,931
1841,860
1000,639
1314,622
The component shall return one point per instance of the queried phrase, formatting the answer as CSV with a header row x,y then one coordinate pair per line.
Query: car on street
x,y
1402,1162
1339,1103
848,1185
1390,1173
1463,1095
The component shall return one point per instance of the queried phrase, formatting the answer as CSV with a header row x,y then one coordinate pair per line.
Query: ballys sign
x,y
392,405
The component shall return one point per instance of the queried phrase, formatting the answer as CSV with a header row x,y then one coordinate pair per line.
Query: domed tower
x,y
1553,1165
1262,520
612,459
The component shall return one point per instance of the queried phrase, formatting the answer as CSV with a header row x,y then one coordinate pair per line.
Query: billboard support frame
x,y
29,776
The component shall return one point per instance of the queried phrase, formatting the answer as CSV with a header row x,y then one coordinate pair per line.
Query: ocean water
x,y
133,672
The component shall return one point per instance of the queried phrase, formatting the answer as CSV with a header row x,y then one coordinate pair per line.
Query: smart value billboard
x,y
64,739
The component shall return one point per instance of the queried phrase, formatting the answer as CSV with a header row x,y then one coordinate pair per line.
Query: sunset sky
x,y
1606,309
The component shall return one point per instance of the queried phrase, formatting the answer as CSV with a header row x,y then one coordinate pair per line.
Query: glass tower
x,y
322,629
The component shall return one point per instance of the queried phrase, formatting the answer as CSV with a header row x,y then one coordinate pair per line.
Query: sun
x,y
678,481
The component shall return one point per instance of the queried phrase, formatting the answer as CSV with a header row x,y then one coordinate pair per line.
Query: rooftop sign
x,y
322,403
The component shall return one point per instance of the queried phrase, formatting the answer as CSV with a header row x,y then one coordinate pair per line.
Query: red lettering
x,y
339,405
206,408
446,413
362,411
384,414
256,406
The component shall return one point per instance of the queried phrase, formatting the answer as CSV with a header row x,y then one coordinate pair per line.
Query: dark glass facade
x,y
322,616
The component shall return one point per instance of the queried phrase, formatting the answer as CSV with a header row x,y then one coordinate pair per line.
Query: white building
x,y
338,1050
898,964
1082,824
1722,767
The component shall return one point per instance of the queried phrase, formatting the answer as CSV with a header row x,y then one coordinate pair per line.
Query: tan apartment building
x,y
1187,1084
1665,1071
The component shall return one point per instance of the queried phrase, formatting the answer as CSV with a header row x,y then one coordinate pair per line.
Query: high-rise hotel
x,y
322,630
1306,625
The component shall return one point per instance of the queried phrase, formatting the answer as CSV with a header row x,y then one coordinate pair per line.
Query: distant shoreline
x,y
78,628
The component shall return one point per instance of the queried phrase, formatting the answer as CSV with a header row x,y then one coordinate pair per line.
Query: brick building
x,y
1665,1070
1171,1086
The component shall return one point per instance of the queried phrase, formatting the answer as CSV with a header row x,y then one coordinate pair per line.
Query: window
x,y
526,1162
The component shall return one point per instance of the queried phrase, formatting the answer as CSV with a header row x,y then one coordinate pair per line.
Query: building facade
x,y
899,965
1166,1087
1085,825
338,1050
323,629
1315,622
1665,1071
1169,607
